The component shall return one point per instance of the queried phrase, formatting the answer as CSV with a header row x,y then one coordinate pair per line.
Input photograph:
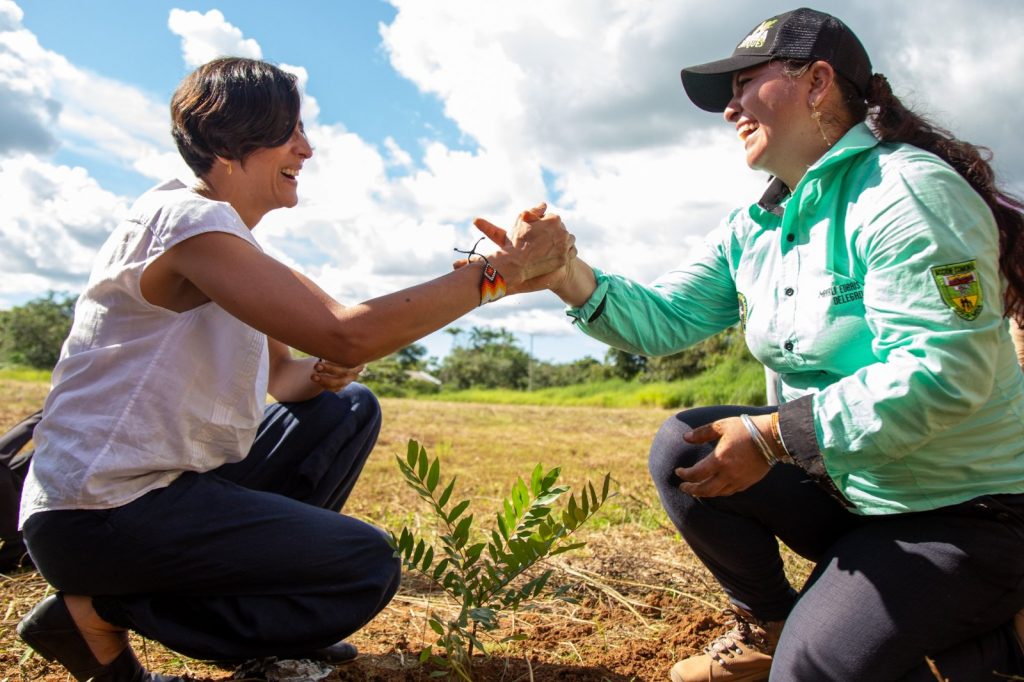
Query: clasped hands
x,y
534,254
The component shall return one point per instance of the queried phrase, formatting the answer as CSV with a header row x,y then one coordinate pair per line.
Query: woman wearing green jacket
x,y
874,277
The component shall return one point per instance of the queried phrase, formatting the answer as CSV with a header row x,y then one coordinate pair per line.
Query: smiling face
x,y
268,177
772,114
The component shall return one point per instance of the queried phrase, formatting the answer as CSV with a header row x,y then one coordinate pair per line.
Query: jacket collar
x,y
857,140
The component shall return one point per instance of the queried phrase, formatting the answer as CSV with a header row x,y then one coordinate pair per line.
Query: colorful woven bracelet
x,y
492,284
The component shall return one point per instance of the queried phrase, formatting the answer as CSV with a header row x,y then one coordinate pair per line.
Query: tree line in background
x,y
492,358
32,334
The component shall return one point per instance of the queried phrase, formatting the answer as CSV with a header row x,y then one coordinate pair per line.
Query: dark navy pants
x,y
886,591
252,559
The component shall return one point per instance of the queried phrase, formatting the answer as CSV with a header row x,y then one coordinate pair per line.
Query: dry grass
x,y
642,599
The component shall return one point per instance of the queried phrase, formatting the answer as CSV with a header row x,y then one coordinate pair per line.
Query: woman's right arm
x,y
289,307
678,310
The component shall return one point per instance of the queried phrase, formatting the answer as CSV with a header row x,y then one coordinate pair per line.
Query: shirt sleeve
x,y
679,309
932,296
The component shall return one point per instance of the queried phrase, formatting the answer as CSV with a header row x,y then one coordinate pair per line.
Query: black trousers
x,y
252,559
886,591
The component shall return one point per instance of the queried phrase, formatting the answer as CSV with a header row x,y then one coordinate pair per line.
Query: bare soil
x,y
642,601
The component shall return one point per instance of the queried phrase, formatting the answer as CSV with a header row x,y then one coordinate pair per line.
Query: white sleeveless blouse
x,y
142,394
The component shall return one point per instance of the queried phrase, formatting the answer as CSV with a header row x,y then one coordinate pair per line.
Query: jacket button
x,y
790,237
789,291
788,345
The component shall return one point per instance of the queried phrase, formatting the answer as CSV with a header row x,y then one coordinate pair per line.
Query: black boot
x,y
49,629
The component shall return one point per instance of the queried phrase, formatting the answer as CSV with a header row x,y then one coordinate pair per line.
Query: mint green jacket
x,y
874,291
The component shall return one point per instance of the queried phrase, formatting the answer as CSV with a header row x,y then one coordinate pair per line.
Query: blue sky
x,y
427,114
343,36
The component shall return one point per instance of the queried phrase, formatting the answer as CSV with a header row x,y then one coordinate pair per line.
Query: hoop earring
x,y
816,115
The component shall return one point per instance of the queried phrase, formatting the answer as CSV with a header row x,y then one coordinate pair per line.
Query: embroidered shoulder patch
x,y
743,311
960,288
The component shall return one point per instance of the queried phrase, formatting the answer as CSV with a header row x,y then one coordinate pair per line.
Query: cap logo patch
x,y
960,288
758,37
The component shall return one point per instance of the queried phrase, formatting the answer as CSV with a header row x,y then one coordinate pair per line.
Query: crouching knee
x,y
670,451
360,400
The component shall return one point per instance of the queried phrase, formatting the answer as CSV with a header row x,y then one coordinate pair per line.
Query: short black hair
x,y
230,107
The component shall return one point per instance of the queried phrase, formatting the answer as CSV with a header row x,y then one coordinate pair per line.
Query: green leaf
x,y
418,554
541,582
474,552
604,488
443,500
567,548
502,527
461,532
433,474
520,497
424,654
414,449
552,476
457,511
428,559
536,483
439,569
422,464
405,543
436,626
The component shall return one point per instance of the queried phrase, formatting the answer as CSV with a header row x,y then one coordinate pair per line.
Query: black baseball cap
x,y
802,34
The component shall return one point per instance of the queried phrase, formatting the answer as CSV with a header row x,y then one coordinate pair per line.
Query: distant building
x,y
417,375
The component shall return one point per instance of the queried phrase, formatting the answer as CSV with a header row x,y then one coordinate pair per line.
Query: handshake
x,y
536,253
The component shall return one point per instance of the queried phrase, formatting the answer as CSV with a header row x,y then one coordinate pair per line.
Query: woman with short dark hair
x,y
164,497
873,277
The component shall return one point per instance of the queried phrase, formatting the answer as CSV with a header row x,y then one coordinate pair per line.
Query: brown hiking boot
x,y
743,654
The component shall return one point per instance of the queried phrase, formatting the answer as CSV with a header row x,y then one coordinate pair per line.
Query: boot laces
x,y
744,632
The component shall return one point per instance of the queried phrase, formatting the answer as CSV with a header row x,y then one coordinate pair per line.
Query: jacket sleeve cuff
x,y
592,309
799,437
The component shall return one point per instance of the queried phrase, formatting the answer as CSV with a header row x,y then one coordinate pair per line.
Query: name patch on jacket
x,y
843,293
960,288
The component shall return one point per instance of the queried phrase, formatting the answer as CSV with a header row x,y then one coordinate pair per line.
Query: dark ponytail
x,y
893,122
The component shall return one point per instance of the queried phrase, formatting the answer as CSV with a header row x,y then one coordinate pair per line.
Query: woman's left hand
x,y
733,466
332,376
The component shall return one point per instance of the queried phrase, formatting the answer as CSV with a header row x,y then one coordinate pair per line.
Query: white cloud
x,y
10,15
581,96
52,221
208,36
54,217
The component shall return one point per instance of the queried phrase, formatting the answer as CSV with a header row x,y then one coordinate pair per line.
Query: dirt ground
x,y
642,600
623,628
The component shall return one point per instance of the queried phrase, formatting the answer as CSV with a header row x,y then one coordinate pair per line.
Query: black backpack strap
x,y
14,440
13,467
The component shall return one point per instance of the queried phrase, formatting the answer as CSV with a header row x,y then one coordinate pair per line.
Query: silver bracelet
x,y
762,444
